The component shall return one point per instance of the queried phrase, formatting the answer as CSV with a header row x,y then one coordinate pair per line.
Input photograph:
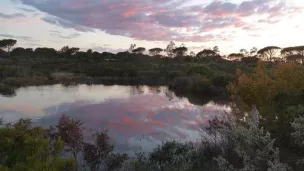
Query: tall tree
x,y
192,54
46,52
89,51
180,51
269,52
139,50
169,49
253,51
295,53
235,56
295,50
155,51
205,53
295,58
132,47
8,44
66,50
70,131
216,49
244,52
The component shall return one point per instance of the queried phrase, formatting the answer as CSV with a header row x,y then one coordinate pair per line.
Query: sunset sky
x,y
112,25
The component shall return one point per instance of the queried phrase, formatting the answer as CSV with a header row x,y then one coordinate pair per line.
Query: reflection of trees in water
x,y
169,95
135,90
202,99
194,98
142,89
7,91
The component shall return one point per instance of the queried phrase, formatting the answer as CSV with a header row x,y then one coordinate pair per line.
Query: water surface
x,y
137,117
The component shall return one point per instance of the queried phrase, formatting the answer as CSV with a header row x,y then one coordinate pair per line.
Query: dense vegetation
x,y
206,72
263,132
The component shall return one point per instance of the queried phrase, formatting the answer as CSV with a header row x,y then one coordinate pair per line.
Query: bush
x,y
194,84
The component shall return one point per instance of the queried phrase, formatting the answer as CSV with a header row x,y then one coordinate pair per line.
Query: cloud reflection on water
x,y
139,119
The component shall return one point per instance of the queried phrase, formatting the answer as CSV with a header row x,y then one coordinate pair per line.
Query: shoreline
x,y
11,84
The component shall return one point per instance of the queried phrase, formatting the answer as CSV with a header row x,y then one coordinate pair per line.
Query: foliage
x,y
295,58
198,84
205,53
272,141
278,94
172,156
180,51
155,51
295,50
244,52
260,87
298,126
25,147
253,145
71,132
236,56
216,49
298,135
169,49
95,154
67,51
132,47
269,52
8,44
253,51
139,50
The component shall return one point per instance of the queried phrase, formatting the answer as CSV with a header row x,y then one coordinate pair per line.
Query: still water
x,y
137,117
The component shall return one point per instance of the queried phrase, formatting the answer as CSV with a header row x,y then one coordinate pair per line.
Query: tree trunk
x,y
9,53
76,161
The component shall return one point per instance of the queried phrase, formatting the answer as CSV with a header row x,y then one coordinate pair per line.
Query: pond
x,y
137,117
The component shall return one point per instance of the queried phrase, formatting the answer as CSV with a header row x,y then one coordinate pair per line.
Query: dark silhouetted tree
x,y
235,56
269,52
180,51
18,51
294,54
139,50
192,54
115,161
205,53
169,49
7,44
67,51
155,51
73,50
296,50
244,52
132,47
216,49
89,51
253,51
29,50
295,58
45,52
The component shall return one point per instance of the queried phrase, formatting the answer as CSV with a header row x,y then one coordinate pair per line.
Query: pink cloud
x,y
157,20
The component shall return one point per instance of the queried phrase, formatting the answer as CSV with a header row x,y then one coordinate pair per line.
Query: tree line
x,y
268,53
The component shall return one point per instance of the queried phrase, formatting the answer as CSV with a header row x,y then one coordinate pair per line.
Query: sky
x,y
112,25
